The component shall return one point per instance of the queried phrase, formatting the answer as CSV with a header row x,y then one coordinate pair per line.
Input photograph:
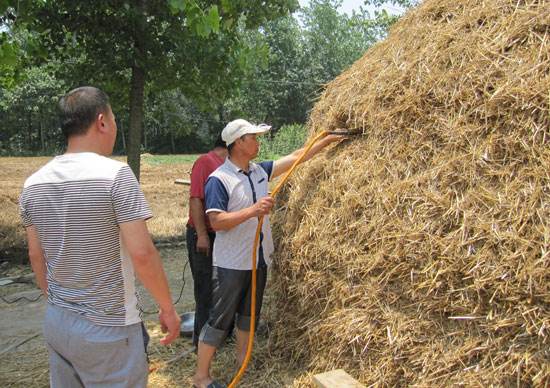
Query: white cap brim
x,y
238,128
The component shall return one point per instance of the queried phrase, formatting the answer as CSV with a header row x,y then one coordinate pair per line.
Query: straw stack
x,y
418,254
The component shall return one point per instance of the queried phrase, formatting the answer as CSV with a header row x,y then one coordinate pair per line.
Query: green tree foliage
x,y
183,68
28,114
9,46
17,45
283,142
402,3
305,52
334,40
274,89
129,45
175,124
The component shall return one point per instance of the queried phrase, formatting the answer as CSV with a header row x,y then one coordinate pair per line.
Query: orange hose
x,y
250,344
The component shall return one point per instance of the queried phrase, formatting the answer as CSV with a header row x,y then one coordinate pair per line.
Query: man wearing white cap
x,y
236,195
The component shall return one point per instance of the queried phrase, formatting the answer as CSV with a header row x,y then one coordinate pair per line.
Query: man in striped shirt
x,y
85,216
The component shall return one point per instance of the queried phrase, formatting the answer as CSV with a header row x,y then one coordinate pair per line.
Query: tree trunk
x,y
41,132
136,119
221,113
145,140
172,142
29,131
137,92
122,136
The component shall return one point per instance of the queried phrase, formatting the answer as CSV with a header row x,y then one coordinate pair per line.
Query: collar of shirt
x,y
236,169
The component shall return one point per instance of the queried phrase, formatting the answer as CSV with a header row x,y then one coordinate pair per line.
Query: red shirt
x,y
202,168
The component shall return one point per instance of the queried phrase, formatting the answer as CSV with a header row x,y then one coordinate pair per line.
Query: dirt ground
x,y
26,364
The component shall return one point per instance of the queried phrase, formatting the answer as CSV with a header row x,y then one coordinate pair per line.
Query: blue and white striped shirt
x,y
76,203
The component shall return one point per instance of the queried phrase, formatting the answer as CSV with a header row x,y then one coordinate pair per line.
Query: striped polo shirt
x,y
230,189
76,203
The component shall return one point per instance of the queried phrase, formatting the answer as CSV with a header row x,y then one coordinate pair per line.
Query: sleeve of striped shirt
x,y
25,216
128,199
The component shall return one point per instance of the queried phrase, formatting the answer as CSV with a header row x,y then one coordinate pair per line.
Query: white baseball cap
x,y
237,128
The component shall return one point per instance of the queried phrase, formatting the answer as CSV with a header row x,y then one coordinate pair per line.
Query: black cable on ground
x,y
19,298
181,290
183,282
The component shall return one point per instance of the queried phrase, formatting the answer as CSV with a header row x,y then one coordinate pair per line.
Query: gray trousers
x,y
83,354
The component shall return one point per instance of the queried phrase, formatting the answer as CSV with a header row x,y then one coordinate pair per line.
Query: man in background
x,y
85,216
200,235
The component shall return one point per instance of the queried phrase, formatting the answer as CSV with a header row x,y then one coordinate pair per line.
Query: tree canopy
x,y
123,45
176,71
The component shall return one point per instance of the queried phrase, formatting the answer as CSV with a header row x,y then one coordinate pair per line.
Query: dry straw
x,y
419,254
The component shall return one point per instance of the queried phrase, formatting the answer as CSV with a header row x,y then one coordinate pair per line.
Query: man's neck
x,y
78,144
240,161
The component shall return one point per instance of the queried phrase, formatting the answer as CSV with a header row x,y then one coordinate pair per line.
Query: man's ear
x,y
100,122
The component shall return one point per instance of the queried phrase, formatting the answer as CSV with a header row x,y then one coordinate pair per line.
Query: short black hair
x,y
230,148
79,108
219,143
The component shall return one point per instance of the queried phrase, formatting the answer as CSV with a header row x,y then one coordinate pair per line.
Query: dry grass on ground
x,y
168,201
13,173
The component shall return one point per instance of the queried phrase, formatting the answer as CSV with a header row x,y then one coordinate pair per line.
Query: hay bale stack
x,y
419,253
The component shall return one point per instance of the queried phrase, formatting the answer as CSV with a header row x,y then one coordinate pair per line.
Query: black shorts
x,y
231,300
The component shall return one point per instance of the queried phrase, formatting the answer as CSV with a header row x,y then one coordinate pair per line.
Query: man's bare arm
x,y
149,270
36,256
197,215
281,165
228,220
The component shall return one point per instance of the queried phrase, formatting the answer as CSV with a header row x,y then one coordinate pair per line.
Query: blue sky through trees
x,y
350,5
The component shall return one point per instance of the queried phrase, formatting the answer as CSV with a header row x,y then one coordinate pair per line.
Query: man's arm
x,y
197,215
199,175
281,165
228,220
149,270
36,256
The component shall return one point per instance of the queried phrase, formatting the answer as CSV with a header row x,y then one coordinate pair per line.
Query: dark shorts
x,y
231,301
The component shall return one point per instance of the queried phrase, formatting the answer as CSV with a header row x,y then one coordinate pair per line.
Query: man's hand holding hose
x,y
264,206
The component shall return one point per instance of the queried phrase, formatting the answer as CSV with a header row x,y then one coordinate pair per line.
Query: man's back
x,y
202,168
76,203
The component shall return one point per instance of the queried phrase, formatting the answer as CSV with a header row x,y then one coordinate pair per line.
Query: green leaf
x,y
213,19
4,4
176,5
226,5
8,54
228,23
202,28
